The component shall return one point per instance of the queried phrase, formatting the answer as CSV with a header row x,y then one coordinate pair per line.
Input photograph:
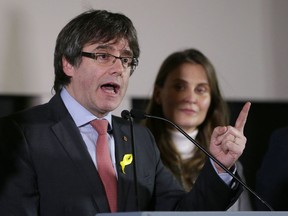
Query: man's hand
x,y
227,142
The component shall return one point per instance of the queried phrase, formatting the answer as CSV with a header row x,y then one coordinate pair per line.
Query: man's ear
x,y
157,94
67,67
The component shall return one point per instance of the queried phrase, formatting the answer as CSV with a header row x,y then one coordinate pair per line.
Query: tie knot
x,y
100,125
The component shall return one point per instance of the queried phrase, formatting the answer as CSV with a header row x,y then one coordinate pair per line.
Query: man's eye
x,y
126,60
102,56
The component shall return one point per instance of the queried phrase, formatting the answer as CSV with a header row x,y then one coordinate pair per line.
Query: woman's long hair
x,y
186,171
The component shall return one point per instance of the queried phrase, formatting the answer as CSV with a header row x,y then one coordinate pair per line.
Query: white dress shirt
x,y
82,118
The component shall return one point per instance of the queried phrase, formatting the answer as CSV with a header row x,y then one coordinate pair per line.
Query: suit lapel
x,y
123,146
70,138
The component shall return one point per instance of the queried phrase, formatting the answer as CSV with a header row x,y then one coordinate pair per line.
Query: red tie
x,y
104,163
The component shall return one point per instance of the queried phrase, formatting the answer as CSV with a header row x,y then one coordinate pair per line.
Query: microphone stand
x,y
139,114
126,115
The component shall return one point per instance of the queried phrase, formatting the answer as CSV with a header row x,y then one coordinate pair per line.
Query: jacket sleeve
x,y
210,193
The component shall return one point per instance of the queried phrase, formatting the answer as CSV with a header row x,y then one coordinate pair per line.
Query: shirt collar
x,y
80,115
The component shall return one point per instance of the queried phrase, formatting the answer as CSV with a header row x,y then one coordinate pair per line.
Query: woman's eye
x,y
202,90
179,87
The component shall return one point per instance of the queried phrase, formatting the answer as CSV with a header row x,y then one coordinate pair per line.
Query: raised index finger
x,y
241,120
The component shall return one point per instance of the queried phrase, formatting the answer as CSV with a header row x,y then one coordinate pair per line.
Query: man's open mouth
x,y
110,87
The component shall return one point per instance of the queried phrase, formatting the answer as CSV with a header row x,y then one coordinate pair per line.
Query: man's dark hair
x,y
93,26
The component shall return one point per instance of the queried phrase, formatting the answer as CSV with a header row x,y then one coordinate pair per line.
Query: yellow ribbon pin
x,y
127,159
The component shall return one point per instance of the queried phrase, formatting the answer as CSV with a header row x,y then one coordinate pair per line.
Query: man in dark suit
x,y
52,146
272,177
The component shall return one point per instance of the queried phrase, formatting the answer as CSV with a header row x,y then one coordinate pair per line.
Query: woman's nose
x,y
191,96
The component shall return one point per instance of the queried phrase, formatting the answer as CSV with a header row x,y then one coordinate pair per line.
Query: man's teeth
x,y
110,88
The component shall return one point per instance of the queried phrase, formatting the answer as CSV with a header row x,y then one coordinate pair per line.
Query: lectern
x,y
221,213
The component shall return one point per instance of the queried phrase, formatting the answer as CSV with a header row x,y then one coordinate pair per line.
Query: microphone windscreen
x,y
138,114
125,114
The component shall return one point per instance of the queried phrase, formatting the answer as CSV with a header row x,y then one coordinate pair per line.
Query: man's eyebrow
x,y
108,47
104,46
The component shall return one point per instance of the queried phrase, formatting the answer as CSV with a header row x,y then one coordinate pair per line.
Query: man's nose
x,y
118,67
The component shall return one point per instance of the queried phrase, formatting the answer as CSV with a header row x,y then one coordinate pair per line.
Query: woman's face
x,y
185,96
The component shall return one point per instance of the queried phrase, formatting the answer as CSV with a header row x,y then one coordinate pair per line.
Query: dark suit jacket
x,y
272,177
54,174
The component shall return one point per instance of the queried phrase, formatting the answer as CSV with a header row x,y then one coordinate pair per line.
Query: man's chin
x,y
111,107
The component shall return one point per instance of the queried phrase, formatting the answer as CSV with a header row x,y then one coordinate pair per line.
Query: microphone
x,y
125,114
138,114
